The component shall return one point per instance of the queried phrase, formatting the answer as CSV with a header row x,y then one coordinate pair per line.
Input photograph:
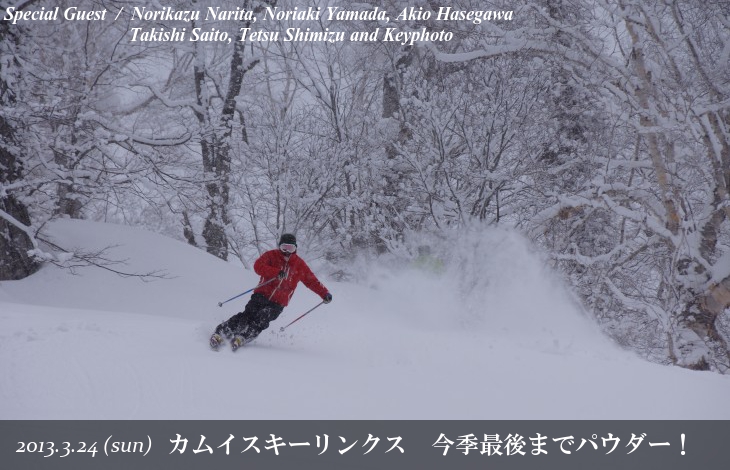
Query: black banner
x,y
419,445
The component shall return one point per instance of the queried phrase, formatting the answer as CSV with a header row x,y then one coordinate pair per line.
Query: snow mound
x,y
181,284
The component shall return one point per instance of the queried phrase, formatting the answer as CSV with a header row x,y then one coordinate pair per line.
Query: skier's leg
x,y
262,319
234,325
239,323
224,329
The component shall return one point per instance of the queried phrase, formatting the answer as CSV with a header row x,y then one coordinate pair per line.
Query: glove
x,y
327,298
282,274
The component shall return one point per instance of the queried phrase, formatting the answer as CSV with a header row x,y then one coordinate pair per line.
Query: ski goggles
x,y
288,247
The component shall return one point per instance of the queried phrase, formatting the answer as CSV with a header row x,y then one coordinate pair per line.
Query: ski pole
x,y
220,304
300,316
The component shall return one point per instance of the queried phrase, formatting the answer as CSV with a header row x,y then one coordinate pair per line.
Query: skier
x,y
280,270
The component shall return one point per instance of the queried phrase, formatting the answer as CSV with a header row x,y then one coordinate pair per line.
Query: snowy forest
x,y
599,129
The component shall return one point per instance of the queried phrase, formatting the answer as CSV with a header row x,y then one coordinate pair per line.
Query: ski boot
x,y
215,341
237,342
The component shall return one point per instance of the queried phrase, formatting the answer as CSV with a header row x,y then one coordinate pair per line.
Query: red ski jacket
x,y
271,263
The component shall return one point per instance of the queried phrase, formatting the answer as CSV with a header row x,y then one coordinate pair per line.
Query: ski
x,y
215,341
237,342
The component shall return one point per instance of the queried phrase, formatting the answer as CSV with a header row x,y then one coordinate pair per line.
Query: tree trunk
x,y
394,203
215,167
701,317
216,145
644,93
68,203
15,263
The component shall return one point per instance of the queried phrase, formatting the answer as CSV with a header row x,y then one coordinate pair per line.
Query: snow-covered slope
x,y
498,339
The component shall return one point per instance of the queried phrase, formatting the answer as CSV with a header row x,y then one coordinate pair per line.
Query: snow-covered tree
x,y
601,129
16,239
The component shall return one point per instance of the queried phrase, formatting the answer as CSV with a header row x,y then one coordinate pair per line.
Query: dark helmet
x,y
288,238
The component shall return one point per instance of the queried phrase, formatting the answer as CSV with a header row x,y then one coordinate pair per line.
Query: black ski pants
x,y
254,319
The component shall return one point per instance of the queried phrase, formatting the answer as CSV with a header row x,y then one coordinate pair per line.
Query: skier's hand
x,y
327,298
282,274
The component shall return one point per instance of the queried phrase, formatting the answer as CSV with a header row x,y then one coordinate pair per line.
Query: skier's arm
x,y
311,281
263,267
